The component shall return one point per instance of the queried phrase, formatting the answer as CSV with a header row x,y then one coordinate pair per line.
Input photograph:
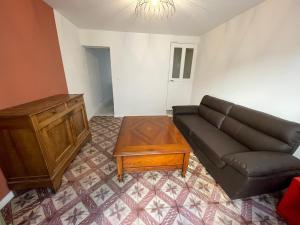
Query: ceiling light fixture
x,y
155,8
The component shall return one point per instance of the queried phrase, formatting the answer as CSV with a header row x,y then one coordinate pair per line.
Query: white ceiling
x,y
192,17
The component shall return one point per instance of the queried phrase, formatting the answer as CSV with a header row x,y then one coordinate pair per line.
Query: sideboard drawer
x,y
51,112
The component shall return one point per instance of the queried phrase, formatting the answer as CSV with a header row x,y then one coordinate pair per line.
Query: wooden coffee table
x,y
150,143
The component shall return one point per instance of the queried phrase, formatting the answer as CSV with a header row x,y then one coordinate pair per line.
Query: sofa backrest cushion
x,y
212,116
252,138
260,131
214,110
217,104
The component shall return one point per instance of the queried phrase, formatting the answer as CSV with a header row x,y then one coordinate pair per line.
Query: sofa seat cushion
x,y
194,122
262,163
215,144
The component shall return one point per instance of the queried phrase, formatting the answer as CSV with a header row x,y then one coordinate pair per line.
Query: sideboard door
x,y
58,140
79,123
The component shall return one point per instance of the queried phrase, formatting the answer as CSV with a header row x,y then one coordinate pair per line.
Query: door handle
x,y
172,80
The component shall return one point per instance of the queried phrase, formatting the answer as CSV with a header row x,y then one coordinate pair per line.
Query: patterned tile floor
x,y
91,194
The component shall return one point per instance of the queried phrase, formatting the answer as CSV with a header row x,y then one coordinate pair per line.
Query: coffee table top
x,y
147,135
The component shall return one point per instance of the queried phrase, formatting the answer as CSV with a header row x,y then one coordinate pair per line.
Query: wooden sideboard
x,y
38,140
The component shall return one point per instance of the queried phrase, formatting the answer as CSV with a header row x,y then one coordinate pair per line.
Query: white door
x,y
181,74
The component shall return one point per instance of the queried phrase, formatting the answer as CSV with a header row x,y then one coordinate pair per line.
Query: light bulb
x,y
154,2
155,8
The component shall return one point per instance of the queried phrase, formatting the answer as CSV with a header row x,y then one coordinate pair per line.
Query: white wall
x,y
139,62
140,65
80,73
254,60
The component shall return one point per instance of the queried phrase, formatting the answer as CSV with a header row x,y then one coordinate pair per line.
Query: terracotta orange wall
x,y
30,61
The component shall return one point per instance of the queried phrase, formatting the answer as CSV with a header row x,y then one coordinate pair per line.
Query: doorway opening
x,y
99,69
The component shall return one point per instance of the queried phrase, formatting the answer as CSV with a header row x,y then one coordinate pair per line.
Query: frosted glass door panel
x,y
177,62
188,62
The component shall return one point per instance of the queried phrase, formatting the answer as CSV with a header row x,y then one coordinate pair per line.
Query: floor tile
x,y
158,213
102,194
75,215
89,181
80,169
126,179
23,200
32,217
153,177
222,218
63,197
195,205
109,168
100,158
137,191
117,212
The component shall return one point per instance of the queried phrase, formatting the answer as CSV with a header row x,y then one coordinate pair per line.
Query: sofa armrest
x,y
185,109
263,163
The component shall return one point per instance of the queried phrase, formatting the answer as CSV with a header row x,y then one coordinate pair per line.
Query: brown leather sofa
x,y
247,152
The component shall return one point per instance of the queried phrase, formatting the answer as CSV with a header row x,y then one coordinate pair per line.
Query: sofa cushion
x,y
262,163
212,116
215,144
193,122
285,131
185,109
217,104
252,138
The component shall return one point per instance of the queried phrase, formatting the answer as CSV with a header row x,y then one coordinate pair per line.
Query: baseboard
x,y
6,199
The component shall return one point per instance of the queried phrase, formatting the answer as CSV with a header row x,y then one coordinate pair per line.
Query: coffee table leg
x,y
185,163
120,168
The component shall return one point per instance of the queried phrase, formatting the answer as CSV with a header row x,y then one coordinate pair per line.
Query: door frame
x,y
184,46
